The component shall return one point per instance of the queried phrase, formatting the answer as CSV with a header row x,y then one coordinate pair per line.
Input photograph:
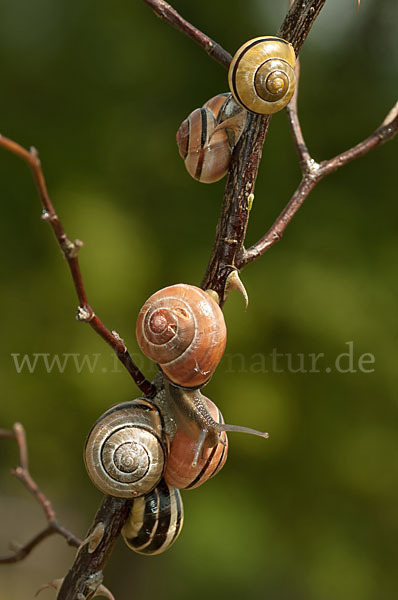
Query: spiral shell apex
x,y
261,75
125,452
182,328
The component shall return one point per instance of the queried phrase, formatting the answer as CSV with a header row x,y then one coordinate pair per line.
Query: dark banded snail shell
x,y
155,520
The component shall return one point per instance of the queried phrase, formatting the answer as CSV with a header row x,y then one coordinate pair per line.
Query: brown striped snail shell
x,y
182,329
261,75
207,137
184,469
155,520
125,451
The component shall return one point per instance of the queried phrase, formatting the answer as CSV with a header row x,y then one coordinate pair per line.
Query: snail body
x,y
261,75
182,328
199,447
126,449
155,520
207,137
187,467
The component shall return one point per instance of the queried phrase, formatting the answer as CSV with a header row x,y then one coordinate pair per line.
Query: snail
x,y
182,329
125,451
184,469
261,75
200,427
155,520
207,137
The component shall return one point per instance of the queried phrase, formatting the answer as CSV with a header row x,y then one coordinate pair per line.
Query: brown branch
x,y
85,574
70,250
299,21
171,16
22,473
313,173
228,250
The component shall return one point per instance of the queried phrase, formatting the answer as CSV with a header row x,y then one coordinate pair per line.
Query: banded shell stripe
x,y
155,520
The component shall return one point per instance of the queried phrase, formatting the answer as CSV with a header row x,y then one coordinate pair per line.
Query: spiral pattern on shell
x,y
155,520
261,75
125,451
180,470
182,328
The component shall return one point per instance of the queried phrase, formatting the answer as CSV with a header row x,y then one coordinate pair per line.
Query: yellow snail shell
x,y
261,75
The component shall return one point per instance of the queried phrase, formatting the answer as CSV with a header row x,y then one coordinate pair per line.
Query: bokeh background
x,y
100,89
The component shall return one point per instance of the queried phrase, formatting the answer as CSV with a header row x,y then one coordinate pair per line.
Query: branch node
x,y
70,248
74,248
84,314
311,169
119,339
34,152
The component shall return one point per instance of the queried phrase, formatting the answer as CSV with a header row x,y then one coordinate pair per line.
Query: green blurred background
x,y
100,89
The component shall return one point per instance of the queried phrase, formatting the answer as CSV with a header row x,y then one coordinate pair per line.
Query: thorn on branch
x,y
233,282
56,584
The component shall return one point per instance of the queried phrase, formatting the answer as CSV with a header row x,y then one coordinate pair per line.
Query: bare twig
x,y
292,113
70,250
312,174
22,473
171,16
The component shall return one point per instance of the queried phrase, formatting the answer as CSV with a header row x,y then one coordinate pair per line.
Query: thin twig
x,y
312,174
171,16
23,552
70,250
22,473
292,113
